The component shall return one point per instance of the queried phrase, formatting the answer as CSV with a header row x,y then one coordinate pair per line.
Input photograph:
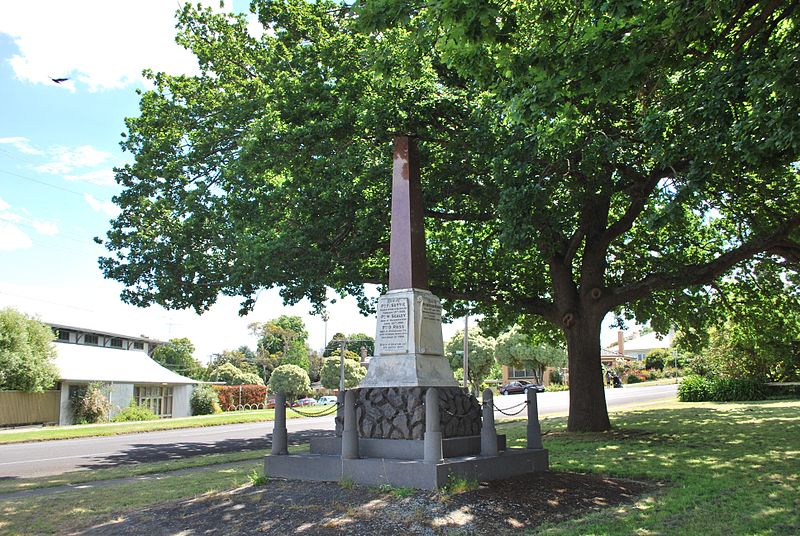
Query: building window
x,y
521,373
138,345
116,343
156,397
90,339
62,334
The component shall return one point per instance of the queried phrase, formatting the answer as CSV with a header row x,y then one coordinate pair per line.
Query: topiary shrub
x,y
204,401
135,412
633,378
353,373
291,380
694,388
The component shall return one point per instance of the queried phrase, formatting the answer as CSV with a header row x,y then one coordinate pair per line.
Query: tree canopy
x,y
481,356
577,159
291,380
355,341
330,374
518,349
26,353
177,355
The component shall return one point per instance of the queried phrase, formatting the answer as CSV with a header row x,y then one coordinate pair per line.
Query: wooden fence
x,y
18,407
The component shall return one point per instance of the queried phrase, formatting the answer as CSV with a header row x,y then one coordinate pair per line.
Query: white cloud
x,y
102,44
101,177
4,205
21,144
67,159
43,227
106,207
12,237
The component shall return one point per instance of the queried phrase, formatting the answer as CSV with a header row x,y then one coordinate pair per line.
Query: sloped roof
x,y
649,341
81,362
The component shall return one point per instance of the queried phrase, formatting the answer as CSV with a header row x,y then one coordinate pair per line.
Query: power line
x,y
43,183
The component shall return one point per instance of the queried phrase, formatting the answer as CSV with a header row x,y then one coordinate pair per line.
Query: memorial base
x,y
399,472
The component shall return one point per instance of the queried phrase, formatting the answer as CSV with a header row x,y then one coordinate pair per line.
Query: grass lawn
x,y
726,469
105,429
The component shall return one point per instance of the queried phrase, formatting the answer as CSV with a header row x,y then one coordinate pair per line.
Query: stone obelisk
x,y
409,351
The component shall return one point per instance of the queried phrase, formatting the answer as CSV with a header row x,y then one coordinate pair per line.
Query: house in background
x,y
636,346
124,364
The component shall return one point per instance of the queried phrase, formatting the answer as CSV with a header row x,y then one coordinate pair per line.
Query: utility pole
x,y
325,318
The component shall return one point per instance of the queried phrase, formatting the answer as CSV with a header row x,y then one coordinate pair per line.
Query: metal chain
x,y
461,415
323,413
521,409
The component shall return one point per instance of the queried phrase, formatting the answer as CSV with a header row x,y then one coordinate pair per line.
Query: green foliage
x,y
554,387
633,378
291,380
26,353
657,358
297,354
695,388
176,355
355,342
90,404
232,375
257,478
315,362
599,157
204,401
556,377
518,349
135,412
238,359
353,373
456,484
481,356
277,335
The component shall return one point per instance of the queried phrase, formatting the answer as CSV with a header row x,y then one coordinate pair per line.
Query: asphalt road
x,y
26,460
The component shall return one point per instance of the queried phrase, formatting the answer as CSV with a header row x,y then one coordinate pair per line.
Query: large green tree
x,y
177,355
26,353
578,158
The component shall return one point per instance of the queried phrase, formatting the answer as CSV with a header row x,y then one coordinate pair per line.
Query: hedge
x,y
705,389
233,397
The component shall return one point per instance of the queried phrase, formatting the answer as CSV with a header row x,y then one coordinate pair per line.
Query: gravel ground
x,y
321,508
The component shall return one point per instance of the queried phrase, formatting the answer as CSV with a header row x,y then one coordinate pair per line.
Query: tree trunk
x,y
587,400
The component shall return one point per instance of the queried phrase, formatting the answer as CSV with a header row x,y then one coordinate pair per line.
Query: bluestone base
x,y
403,449
406,473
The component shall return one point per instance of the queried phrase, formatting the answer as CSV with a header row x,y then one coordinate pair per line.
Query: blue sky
x,y
58,145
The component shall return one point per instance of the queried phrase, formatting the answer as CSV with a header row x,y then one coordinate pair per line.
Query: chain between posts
x,y
323,413
521,409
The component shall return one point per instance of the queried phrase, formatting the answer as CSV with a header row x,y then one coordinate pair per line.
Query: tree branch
x,y
705,273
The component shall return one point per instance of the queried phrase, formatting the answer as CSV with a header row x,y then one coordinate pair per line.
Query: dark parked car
x,y
520,386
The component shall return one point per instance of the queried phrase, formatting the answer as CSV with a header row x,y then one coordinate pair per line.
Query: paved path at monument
x,y
26,460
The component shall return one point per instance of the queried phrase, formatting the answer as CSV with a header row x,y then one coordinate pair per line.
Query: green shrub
x,y
289,379
694,388
633,378
90,404
556,387
556,377
135,412
204,401
736,389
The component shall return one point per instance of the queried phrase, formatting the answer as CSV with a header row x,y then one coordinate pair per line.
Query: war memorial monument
x,y
408,423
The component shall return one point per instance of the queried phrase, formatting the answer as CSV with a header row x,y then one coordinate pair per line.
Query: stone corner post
x,y
280,438
350,433
433,428
534,430
488,430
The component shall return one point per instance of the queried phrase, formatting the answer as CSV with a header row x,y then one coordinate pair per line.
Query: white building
x,y
123,363
637,345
